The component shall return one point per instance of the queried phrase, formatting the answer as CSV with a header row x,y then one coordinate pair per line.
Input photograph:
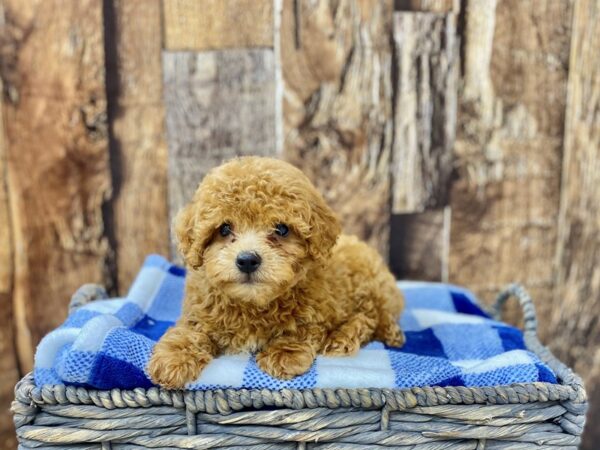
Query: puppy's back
x,y
365,274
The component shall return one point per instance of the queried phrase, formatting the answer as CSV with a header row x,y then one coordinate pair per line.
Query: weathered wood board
x,y
509,146
576,305
217,24
56,157
9,368
138,213
219,104
336,62
425,89
426,52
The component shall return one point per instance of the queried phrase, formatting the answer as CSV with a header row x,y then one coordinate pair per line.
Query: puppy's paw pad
x,y
285,363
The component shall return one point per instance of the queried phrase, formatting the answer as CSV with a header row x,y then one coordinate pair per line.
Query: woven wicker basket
x,y
518,416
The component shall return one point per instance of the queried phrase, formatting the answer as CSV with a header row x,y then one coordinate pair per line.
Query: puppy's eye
x,y
225,230
282,230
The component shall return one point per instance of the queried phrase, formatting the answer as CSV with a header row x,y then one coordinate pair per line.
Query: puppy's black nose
x,y
248,262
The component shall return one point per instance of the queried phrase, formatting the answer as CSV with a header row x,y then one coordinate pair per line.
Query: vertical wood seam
x,y
564,173
446,233
279,138
23,341
109,22
5,187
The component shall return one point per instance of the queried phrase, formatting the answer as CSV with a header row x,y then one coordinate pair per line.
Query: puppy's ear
x,y
191,236
325,229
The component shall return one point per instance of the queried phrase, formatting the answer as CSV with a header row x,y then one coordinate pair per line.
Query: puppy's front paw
x,y
340,344
397,340
172,370
285,360
395,337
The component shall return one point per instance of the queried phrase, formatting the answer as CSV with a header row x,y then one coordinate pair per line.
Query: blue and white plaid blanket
x,y
450,341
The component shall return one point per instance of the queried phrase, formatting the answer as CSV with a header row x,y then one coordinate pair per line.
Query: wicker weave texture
x,y
519,416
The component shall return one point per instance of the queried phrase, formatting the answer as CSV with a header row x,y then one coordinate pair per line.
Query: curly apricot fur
x,y
315,291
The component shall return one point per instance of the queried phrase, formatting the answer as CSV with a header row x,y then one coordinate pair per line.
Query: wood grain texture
x,y
57,158
9,369
219,105
509,147
217,24
336,63
435,6
138,147
577,298
426,52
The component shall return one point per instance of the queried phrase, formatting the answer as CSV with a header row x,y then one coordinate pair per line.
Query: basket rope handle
x,y
85,294
518,291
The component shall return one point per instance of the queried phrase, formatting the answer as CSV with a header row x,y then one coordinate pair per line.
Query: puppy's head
x,y
256,226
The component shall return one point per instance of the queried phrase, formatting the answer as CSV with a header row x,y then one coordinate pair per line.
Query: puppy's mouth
x,y
244,279
248,279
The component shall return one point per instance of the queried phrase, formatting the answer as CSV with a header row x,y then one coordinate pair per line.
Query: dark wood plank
x,y
434,6
138,213
419,245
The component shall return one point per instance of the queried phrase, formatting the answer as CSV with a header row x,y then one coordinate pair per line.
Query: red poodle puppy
x,y
269,272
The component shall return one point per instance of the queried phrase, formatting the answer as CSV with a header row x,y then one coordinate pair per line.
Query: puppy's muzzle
x,y
248,262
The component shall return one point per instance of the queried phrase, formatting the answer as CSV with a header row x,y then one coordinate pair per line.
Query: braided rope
x,y
518,291
564,373
225,401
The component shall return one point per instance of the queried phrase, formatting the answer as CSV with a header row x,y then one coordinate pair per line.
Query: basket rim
x,y
569,389
225,401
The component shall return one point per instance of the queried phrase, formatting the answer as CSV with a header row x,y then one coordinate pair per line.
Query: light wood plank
x,y
217,24
9,371
508,148
57,158
425,111
140,223
219,105
336,60
576,304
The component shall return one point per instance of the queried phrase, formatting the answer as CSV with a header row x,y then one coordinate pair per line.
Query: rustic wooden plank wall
x,y
56,156
220,101
138,149
219,105
459,137
425,109
509,144
426,67
576,302
336,59
55,169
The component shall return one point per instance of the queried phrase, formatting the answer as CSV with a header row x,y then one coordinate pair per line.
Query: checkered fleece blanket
x,y
450,341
